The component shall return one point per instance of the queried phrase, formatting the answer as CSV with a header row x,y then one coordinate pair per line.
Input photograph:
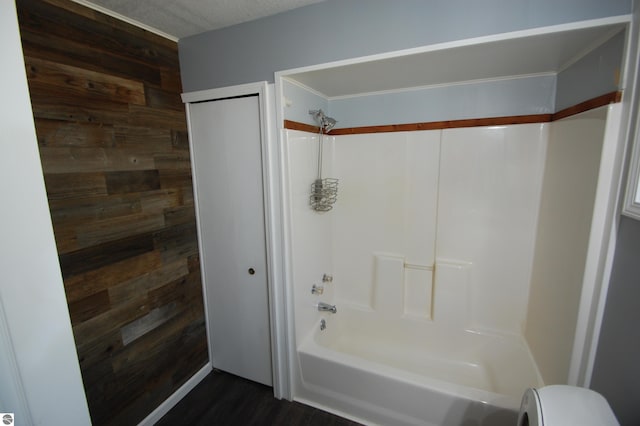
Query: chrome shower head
x,y
328,123
325,123
317,114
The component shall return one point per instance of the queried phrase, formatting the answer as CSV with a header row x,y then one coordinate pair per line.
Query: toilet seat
x,y
530,409
561,405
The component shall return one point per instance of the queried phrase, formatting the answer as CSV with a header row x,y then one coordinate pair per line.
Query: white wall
x,y
464,200
308,232
566,208
384,222
37,342
488,205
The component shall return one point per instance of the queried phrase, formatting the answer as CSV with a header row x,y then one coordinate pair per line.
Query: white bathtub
x,y
406,372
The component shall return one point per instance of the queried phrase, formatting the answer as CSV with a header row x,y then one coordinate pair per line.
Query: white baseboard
x,y
170,402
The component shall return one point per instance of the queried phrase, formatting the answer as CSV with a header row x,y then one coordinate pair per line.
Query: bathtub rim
x,y
311,347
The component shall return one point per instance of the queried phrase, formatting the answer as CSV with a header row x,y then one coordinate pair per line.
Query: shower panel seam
x,y
437,216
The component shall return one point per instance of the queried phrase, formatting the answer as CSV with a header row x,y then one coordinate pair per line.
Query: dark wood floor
x,y
224,399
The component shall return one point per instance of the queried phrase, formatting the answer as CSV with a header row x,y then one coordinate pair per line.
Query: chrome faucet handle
x,y
317,289
325,307
327,278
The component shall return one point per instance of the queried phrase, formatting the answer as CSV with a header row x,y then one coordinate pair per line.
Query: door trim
x,y
273,221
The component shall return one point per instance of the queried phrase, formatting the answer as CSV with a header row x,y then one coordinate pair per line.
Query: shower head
x,y
325,123
328,123
317,114
324,192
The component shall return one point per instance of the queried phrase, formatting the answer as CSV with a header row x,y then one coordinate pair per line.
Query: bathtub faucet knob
x,y
325,307
317,289
327,278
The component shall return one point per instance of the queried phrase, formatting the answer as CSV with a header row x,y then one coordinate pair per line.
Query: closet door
x,y
226,147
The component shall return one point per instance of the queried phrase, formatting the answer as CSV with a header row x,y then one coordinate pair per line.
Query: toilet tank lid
x,y
570,405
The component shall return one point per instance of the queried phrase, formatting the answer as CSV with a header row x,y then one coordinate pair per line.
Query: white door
x,y
228,176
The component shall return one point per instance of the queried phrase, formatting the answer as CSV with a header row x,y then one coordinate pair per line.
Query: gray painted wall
x,y
504,97
593,75
616,372
499,98
343,29
298,101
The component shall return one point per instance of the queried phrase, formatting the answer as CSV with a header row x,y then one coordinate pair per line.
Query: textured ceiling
x,y
182,18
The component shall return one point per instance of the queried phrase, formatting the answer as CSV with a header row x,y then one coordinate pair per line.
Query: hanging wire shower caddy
x,y
324,191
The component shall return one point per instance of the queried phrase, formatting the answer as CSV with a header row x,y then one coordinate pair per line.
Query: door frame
x,y
273,220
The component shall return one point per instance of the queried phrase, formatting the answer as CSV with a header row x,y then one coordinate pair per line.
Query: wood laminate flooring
x,y
224,399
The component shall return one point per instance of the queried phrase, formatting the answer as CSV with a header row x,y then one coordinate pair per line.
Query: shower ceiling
x,y
176,19
488,58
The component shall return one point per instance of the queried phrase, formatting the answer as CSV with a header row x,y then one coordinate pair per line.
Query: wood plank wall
x,y
113,142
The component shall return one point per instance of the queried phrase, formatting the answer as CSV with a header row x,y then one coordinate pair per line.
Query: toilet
x,y
562,405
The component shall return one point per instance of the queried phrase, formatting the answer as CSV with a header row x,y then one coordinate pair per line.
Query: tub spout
x,y
325,307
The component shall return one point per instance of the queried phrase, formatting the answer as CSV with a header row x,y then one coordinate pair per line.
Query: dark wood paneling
x,y
81,83
55,19
113,143
132,181
55,103
158,98
177,242
75,53
55,133
93,258
170,80
180,140
113,23
89,307
147,139
147,116
75,185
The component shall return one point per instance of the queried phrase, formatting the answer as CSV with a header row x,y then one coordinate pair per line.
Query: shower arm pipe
x,y
320,154
324,125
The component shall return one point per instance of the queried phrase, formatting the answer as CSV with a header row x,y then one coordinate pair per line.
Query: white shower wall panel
x,y
309,232
385,219
566,212
463,200
490,181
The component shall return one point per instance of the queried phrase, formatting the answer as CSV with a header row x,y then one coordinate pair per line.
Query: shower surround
x,y
431,247
431,225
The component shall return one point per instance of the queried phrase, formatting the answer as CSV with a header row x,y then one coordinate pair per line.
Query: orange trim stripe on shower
x,y
609,98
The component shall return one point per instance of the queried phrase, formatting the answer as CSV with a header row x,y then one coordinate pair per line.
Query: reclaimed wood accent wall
x,y
113,141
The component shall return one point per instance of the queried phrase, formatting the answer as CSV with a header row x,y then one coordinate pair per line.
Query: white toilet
x,y
561,405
